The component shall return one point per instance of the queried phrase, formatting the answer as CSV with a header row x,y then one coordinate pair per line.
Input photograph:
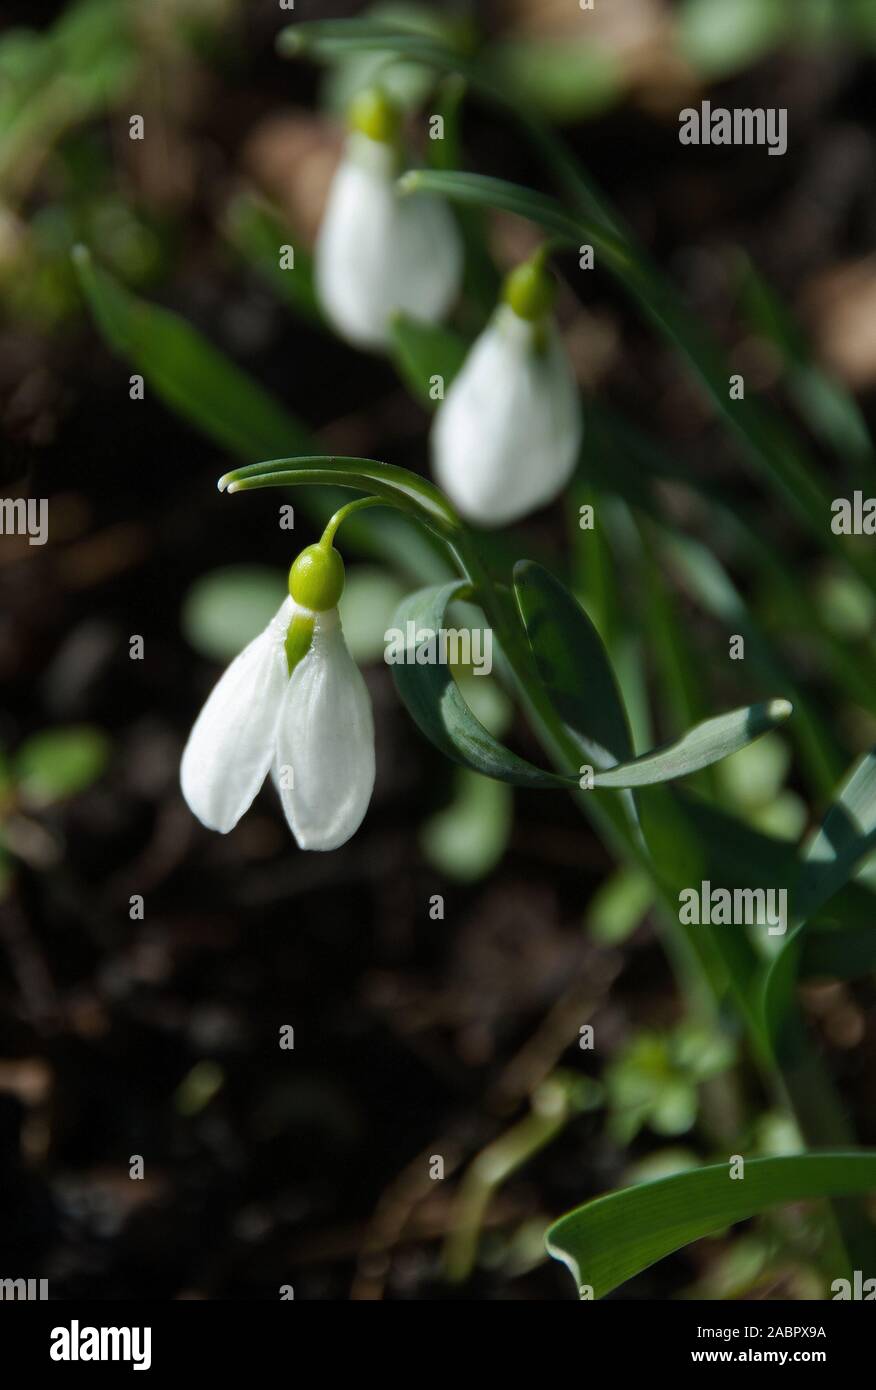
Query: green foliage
x,y
186,371
58,763
433,698
572,663
653,1080
607,1241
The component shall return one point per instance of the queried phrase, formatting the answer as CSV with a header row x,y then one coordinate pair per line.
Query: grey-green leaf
x,y
572,662
704,744
435,703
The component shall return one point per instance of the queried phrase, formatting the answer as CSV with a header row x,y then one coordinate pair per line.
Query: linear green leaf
x,y
188,373
607,1241
483,191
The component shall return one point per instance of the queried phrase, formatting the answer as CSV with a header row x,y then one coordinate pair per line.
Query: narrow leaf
x,y
188,373
607,1241
480,190
704,744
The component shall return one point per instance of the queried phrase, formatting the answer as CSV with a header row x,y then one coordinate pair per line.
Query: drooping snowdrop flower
x,y
506,437
294,704
378,252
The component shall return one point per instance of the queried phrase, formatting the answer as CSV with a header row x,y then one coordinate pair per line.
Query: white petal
x,y
231,745
505,440
377,252
325,735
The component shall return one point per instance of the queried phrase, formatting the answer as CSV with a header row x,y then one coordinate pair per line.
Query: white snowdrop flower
x,y
293,703
378,252
506,438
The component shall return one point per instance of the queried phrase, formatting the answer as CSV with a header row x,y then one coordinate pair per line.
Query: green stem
x,y
331,528
550,1111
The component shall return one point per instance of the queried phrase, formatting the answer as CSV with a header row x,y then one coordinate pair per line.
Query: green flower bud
x,y
529,289
316,579
373,114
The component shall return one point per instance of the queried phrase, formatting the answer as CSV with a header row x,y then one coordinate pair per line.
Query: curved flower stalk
x,y
379,252
505,440
294,704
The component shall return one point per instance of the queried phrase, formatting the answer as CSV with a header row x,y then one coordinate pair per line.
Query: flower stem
x,y
328,535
